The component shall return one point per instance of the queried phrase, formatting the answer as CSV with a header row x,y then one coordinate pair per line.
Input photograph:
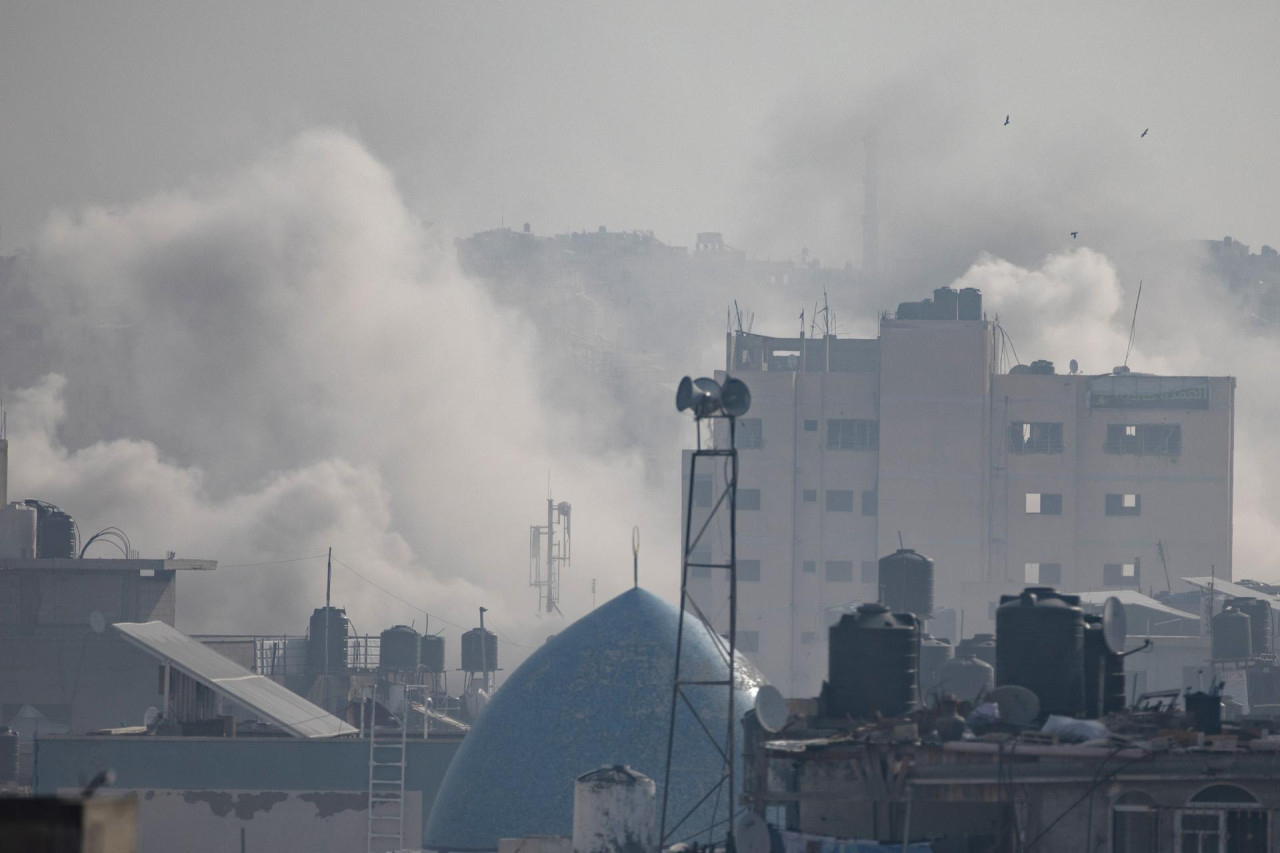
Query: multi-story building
x,y
1122,480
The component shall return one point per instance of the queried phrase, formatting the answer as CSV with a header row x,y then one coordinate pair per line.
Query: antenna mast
x,y
549,542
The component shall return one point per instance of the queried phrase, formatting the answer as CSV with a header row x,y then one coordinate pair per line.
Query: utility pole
x,y
328,615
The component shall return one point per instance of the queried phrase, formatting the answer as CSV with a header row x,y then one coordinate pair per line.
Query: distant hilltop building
x,y
1005,478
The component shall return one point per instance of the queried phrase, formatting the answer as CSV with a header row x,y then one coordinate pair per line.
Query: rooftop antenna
x,y
545,576
1133,326
635,561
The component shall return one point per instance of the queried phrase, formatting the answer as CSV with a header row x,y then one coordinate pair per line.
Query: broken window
x,y
839,500
839,571
853,434
1120,574
1144,439
1035,437
1042,574
749,499
1043,503
1124,504
750,433
810,426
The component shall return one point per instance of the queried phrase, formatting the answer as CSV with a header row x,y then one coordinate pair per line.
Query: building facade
x,y
1005,479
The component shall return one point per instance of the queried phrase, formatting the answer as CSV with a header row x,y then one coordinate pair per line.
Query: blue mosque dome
x,y
599,693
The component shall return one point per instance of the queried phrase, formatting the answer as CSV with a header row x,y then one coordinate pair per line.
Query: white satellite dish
x,y
752,834
771,709
97,622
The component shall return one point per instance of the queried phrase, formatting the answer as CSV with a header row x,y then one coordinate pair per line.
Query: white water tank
x,y
614,811
17,531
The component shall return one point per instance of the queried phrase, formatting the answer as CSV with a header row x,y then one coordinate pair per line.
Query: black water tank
x,y
913,311
966,677
337,619
906,583
55,531
433,653
1113,692
934,653
980,646
1259,613
946,304
1042,367
400,649
8,754
1040,646
970,303
1095,666
1205,710
479,655
872,658
1232,635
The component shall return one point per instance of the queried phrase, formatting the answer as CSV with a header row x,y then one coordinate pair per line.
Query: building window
x,y
809,566
1144,439
750,433
1044,503
810,426
1223,817
702,490
807,638
1124,505
870,502
700,555
1035,437
1042,574
810,496
839,571
870,571
1120,574
748,641
839,500
749,570
853,434
749,499
1135,824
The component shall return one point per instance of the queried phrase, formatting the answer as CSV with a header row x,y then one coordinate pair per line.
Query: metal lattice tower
x,y
549,554
710,403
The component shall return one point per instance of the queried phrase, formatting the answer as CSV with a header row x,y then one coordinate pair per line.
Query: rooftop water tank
x,y
614,809
970,304
980,646
871,665
432,658
946,304
1095,667
1040,646
933,654
399,650
906,582
17,531
479,651
1259,613
55,531
337,644
1232,635
966,678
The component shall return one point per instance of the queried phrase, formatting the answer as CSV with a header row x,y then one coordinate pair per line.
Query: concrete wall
x,y
196,794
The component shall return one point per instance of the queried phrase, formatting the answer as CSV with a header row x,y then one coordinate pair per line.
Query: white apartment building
x,y
1003,479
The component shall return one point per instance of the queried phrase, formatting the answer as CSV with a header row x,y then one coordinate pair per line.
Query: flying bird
x,y
1006,121
1074,234
1144,133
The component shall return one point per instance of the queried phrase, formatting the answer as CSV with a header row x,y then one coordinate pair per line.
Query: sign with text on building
x,y
1148,392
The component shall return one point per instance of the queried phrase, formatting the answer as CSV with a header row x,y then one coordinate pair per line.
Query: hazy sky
x,y
677,117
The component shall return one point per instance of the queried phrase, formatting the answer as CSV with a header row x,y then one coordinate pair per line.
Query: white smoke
x,y
261,365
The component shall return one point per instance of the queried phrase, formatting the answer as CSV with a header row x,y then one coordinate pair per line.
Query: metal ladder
x,y
386,783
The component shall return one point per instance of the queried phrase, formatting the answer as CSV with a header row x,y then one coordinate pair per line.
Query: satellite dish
x,y
1017,705
1114,625
97,622
771,709
736,397
752,834
684,394
1075,366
